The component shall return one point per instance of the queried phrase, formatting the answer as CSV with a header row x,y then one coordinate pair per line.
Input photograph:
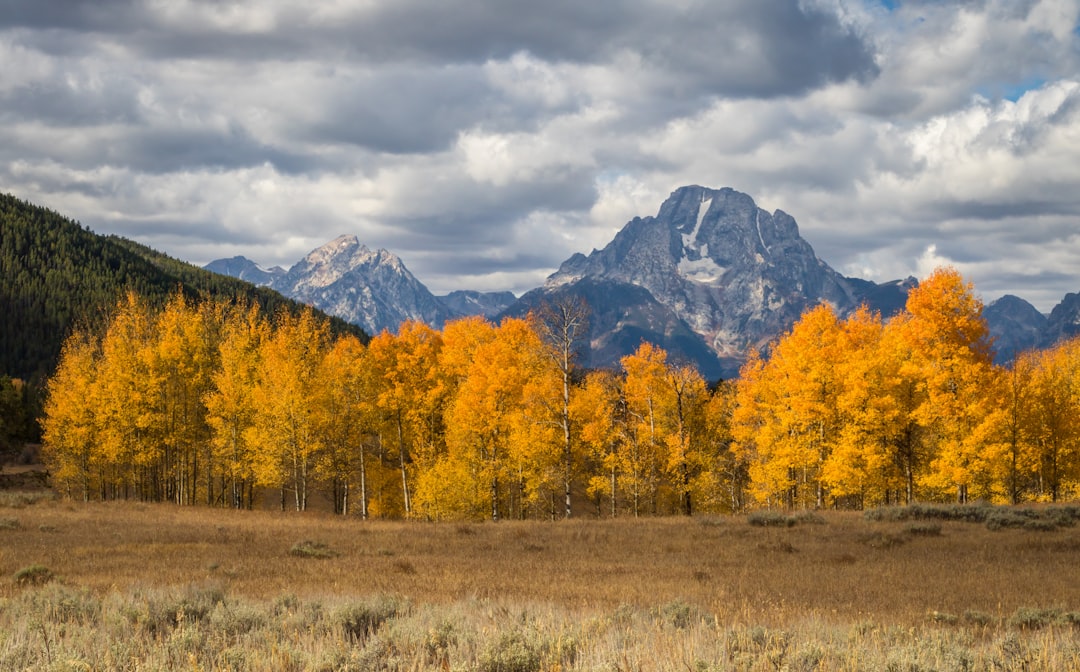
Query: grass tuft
x,y
312,549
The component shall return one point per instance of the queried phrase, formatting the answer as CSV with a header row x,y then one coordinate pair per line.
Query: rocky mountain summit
x,y
711,276
369,288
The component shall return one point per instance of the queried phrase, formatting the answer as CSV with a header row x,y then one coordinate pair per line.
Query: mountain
x,y
708,278
1064,321
1015,325
463,303
245,269
372,289
54,273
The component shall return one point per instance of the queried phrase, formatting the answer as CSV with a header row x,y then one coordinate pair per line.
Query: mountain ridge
x,y
709,277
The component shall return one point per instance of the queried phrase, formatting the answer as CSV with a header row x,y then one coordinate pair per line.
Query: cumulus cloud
x,y
485,141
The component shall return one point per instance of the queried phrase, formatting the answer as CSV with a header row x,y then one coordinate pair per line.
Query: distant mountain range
x,y
371,289
709,277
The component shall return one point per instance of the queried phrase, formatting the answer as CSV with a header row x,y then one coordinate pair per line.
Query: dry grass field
x,y
146,587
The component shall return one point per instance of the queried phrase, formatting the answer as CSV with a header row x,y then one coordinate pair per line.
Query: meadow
x,y
129,586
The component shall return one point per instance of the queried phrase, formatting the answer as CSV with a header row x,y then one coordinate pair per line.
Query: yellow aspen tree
x,y
283,434
1018,426
562,325
344,412
130,412
721,487
409,396
643,463
449,487
750,446
799,420
484,416
184,360
684,404
70,448
229,403
951,345
865,464
1056,433
600,417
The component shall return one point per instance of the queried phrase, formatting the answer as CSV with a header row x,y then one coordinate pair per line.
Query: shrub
x,y
312,549
677,614
1029,618
361,620
34,575
512,651
9,524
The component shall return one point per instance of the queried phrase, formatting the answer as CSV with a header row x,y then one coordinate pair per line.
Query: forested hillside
x,y
55,273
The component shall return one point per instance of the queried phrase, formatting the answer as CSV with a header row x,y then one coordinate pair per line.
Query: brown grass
x,y
713,582
846,569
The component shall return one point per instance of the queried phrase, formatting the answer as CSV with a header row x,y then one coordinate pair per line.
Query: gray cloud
x,y
485,141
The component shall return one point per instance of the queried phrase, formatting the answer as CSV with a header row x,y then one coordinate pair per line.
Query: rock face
x,y
246,270
709,277
463,303
344,278
372,289
1015,325
1064,321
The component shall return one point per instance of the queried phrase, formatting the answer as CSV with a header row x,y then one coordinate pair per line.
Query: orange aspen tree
x,y
951,346
408,394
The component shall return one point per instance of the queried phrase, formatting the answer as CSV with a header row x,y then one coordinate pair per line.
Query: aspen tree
x,y
562,325
951,346
283,435
229,403
408,395
70,447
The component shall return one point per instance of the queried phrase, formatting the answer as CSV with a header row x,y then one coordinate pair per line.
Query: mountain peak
x,y
733,274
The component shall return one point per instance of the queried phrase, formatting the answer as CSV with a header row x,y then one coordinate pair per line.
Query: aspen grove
x,y
219,404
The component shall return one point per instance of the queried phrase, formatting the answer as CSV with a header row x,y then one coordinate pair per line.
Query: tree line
x,y
218,403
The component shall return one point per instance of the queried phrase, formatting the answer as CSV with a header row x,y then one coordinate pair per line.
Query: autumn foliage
x,y
220,404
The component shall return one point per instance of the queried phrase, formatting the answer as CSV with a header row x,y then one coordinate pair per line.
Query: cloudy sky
x,y
485,141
